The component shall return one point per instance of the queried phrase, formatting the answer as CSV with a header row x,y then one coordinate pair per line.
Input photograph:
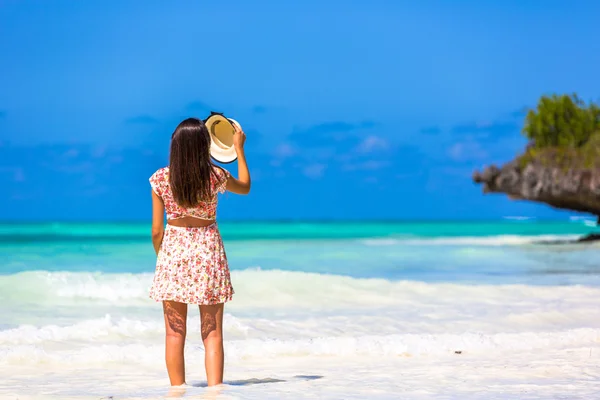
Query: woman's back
x,y
206,209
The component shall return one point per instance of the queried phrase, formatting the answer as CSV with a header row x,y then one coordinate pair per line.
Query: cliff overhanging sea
x,y
561,165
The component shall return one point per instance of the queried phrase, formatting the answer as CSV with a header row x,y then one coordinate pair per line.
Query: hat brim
x,y
221,148
224,156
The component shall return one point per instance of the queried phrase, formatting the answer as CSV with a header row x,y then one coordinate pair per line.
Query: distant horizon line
x,y
332,220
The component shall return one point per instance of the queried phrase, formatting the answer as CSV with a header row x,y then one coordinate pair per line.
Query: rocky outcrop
x,y
563,188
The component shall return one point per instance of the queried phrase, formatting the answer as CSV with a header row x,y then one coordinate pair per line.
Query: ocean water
x,y
419,310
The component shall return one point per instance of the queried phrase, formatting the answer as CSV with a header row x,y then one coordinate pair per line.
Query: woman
x,y
191,266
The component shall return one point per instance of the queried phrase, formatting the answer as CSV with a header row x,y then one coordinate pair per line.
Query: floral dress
x,y
191,266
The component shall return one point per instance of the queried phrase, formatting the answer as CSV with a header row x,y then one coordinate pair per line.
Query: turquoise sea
x,y
423,251
322,310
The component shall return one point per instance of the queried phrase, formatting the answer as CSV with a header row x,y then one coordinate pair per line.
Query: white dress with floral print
x,y
191,266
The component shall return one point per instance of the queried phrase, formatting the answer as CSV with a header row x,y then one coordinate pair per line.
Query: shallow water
x,y
446,310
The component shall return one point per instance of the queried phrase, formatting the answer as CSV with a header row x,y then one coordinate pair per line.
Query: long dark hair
x,y
190,165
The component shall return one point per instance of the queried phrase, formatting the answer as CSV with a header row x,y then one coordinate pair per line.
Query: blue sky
x,y
354,109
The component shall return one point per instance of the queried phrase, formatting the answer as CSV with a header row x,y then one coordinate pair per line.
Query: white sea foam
x,y
409,345
271,289
359,335
498,240
37,285
292,305
581,218
102,330
415,344
519,218
86,330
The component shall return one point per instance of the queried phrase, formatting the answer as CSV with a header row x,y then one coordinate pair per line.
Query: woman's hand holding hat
x,y
239,137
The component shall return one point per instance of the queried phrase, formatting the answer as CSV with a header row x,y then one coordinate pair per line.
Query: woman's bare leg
x,y
175,324
211,326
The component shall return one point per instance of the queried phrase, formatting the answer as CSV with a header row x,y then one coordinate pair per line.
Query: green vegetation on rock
x,y
564,132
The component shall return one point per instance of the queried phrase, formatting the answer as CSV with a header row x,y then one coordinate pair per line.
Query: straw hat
x,y
221,130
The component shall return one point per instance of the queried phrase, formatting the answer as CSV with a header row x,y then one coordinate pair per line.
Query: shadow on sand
x,y
257,381
214,391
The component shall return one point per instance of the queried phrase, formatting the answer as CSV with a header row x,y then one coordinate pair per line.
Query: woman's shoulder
x,y
160,179
161,173
219,178
220,171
